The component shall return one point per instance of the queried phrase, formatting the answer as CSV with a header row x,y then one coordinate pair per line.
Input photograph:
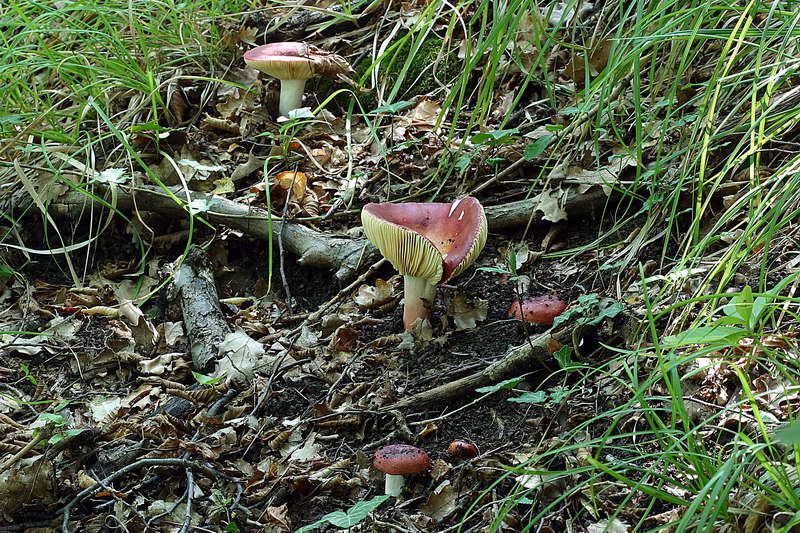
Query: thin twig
x,y
280,245
316,315
43,436
187,521
142,463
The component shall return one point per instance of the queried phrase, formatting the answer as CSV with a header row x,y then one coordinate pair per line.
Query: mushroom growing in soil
x,y
427,243
462,450
398,460
293,64
537,309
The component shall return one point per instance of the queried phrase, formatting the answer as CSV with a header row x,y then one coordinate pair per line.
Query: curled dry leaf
x,y
576,70
344,339
369,297
441,502
424,114
28,480
283,182
466,313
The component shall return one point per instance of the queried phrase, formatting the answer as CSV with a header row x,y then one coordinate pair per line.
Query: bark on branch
x,y
314,248
515,362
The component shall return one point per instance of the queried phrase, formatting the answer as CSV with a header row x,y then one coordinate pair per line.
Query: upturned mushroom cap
x,y
434,241
401,460
295,61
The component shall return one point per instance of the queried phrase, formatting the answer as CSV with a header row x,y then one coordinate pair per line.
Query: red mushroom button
x,y
537,309
462,450
398,460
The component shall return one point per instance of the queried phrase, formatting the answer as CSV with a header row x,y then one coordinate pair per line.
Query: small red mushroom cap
x,y
401,460
537,309
461,449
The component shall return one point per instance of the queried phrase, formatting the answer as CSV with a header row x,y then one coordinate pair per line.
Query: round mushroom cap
x,y
433,241
285,61
461,449
295,61
537,309
401,459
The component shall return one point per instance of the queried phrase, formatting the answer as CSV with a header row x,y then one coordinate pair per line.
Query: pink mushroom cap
x,y
435,241
537,309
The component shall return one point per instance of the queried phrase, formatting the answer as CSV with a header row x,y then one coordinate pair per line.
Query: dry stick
x,y
280,245
314,248
516,361
580,120
187,521
142,463
203,318
43,436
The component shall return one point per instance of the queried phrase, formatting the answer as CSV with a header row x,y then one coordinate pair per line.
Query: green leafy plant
x,y
489,139
590,310
27,374
505,384
349,518
52,422
547,398
203,379
743,316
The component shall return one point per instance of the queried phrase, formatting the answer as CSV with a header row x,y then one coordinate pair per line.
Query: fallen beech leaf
x,y
344,339
466,314
441,502
296,181
223,186
425,113
241,354
101,408
158,364
369,296
575,69
28,480
548,204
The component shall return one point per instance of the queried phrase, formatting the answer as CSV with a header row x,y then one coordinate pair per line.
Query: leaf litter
x,y
291,448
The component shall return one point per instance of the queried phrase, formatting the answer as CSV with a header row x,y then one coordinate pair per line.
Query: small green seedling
x,y
349,518
590,310
202,379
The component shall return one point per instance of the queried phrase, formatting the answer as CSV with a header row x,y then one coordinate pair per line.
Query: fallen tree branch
x,y
314,248
206,326
520,213
515,362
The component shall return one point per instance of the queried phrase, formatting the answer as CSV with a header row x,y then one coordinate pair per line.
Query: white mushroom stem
x,y
394,484
418,294
291,96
